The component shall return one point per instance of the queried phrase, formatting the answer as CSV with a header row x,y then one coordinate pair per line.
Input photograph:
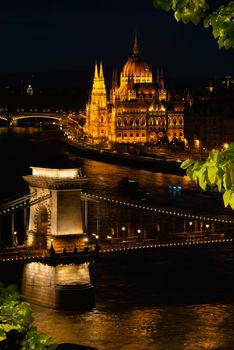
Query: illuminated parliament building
x,y
137,109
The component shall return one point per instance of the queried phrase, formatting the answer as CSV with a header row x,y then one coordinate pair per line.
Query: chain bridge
x,y
64,220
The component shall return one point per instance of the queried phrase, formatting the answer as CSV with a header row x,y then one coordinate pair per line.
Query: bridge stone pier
x,y
56,216
56,219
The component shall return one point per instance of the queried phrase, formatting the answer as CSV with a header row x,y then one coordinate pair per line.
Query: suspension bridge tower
x,y
55,216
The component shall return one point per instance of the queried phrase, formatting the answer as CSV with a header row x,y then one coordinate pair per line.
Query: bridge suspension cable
x,y
22,202
158,210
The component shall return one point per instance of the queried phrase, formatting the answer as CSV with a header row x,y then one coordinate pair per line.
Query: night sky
x,y
61,35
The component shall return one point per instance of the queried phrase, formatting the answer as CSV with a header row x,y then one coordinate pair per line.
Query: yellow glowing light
x,y
225,145
55,173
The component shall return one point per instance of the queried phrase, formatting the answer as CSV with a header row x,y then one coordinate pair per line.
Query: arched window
x,y
119,122
137,121
125,121
174,121
150,122
180,120
131,122
143,121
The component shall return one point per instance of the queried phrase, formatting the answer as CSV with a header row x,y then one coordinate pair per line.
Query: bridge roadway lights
x,y
166,245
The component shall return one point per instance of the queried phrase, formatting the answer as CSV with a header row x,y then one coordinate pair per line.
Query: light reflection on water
x,y
166,300
162,328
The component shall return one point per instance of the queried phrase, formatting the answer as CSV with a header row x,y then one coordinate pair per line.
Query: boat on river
x,y
128,184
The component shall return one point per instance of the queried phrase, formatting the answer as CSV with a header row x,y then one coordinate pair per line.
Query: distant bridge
x,y
58,115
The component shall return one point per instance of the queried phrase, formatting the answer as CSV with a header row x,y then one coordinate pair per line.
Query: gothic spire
x,y
162,80
96,71
101,71
136,50
114,83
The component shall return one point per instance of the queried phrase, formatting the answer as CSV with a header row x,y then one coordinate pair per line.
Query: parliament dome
x,y
136,67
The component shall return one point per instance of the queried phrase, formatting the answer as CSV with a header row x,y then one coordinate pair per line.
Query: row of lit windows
x,y
175,120
131,135
130,122
137,134
157,121
180,134
152,121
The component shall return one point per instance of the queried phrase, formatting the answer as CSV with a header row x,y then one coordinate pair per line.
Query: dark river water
x,y
171,299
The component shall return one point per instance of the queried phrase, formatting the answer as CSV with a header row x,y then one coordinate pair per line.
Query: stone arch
x,y
151,121
42,219
42,225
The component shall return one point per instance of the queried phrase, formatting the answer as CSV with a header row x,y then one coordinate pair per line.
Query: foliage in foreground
x,y
16,331
221,20
216,172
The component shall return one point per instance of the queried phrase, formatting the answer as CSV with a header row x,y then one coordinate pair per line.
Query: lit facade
x,y
138,110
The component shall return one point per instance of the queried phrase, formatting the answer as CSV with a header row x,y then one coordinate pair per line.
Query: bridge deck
x,y
22,254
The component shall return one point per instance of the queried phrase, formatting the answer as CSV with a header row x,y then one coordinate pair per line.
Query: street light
x,y
15,239
190,227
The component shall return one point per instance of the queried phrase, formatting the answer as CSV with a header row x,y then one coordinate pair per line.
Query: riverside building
x,y
137,108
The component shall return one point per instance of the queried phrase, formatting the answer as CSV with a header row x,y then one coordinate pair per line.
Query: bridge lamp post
x,y
190,227
15,239
207,227
123,230
139,233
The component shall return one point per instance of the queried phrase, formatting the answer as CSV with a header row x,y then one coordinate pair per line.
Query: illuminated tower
x,y
98,94
97,119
